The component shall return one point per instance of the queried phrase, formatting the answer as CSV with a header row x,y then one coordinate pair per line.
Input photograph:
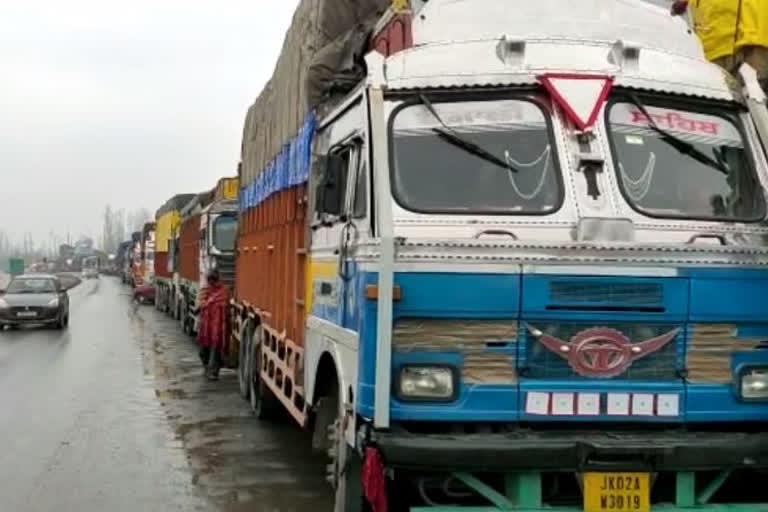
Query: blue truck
x,y
517,263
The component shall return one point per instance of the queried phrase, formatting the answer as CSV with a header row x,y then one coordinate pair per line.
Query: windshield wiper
x,y
681,145
450,136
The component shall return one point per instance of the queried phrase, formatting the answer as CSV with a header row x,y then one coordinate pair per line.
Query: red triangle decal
x,y
580,96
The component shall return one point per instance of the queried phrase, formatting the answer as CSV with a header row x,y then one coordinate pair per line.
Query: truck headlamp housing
x,y
753,384
427,383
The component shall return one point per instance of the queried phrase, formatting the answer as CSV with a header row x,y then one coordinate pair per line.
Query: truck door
x,y
336,231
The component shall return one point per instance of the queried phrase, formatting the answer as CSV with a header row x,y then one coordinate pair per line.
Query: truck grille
x,y
540,362
226,268
567,293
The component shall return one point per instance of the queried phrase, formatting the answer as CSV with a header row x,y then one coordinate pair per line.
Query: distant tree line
x,y
118,224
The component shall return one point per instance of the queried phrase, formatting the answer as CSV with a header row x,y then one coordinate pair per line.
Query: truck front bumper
x,y
575,451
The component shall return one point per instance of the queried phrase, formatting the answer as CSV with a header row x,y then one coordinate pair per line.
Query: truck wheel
x,y
244,361
326,413
183,315
264,403
349,495
345,466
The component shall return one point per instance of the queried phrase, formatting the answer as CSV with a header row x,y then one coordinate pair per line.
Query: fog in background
x,y
123,104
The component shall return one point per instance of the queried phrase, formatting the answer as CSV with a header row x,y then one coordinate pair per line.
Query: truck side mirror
x,y
330,191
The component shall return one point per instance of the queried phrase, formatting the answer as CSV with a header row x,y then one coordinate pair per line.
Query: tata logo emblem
x,y
601,353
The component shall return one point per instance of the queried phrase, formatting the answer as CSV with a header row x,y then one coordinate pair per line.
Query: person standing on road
x,y
732,32
213,331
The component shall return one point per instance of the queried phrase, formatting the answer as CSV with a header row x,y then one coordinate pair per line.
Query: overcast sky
x,y
124,102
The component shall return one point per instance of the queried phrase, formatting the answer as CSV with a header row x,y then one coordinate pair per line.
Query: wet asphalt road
x,y
113,414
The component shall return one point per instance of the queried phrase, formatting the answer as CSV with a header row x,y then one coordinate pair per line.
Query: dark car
x,y
34,299
144,294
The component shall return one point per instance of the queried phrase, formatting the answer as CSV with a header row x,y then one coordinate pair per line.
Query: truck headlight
x,y
426,383
754,384
3,304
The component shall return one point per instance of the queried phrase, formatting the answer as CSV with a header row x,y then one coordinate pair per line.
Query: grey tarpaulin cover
x,y
177,202
321,59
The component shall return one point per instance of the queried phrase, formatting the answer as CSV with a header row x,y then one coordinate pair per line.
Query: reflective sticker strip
x,y
588,404
537,403
642,404
563,404
668,405
541,403
618,404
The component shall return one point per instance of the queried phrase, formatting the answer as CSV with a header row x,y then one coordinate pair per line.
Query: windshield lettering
x,y
675,120
683,164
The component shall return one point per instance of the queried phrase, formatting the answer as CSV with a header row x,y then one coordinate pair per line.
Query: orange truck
x,y
204,240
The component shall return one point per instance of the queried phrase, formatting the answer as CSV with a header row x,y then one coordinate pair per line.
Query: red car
x,y
144,294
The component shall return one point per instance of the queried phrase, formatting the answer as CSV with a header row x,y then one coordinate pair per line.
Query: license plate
x,y
26,314
617,492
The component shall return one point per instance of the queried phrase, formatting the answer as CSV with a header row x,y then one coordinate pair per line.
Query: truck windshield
x,y
658,177
432,174
225,233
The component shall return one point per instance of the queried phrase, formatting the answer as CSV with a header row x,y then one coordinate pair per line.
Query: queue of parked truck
x,y
494,257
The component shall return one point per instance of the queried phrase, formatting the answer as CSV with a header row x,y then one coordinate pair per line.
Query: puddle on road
x,y
237,462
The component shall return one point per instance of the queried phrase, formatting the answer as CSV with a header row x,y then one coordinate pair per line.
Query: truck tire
x,y
244,361
264,403
349,495
345,466
326,413
183,315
